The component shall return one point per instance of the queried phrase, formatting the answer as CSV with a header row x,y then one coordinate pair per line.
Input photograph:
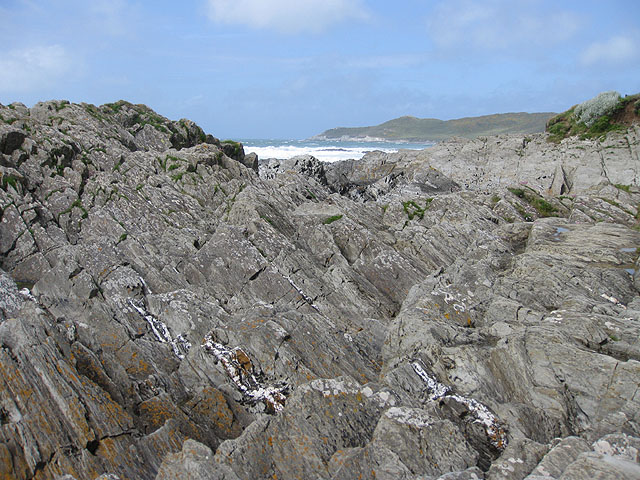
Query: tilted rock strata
x,y
166,311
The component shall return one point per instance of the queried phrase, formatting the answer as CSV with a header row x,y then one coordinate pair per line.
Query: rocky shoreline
x,y
173,308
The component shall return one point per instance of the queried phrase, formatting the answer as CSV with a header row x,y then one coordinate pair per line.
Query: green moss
x,y
413,209
518,192
542,206
117,106
116,167
523,213
61,105
173,158
178,176
267,219
9,180
331,219
94,112
122,238
76,204
616,204
625,188
237,147
148,117
22,285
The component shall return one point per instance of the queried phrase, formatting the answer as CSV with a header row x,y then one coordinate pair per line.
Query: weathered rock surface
x,y
469,311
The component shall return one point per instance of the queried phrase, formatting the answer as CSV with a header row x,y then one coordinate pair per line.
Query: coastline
x,y
325,150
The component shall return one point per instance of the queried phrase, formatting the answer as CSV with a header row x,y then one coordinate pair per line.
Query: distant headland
x,y
412,129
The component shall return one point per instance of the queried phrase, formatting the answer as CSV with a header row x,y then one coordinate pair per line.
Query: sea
x,y
324,150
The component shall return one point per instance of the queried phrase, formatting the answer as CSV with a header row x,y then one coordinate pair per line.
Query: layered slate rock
x,y
469,311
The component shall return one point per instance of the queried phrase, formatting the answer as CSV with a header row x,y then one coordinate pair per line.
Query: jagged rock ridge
x,y
463,312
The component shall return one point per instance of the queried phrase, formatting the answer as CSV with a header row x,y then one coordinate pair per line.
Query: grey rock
x,y
422,443
250,160
619,445
517,460
233,150
563,454
473,473
11,141
605,467
195,461
450,313
10,299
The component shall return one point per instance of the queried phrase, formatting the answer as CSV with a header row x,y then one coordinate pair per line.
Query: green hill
x,y
430,129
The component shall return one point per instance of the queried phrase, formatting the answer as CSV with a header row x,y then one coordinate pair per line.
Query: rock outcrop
x,y
469,311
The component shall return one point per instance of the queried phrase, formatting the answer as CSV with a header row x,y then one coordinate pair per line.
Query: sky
x,y
294,68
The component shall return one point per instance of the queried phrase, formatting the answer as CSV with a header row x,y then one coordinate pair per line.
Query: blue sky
x,y
294,68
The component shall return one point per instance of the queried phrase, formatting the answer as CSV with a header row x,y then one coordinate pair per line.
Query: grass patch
x,y
613,203
76,204
542,206
413,209
567,124
63,104
117,106
116,167
331,219
176,162
518,192
523,213
94,112
150,118
22,285
9,180
624,188
237,147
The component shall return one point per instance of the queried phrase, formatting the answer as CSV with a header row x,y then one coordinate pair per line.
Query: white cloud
x,y
32,68
617,49
499,25
287,16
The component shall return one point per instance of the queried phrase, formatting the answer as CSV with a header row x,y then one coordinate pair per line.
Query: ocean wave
x,y
325,153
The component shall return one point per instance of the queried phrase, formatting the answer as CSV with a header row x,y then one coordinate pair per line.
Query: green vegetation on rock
x,y
413,209
607,112
331,219
542,206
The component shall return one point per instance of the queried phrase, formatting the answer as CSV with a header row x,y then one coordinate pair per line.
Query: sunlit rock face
x,y
170,309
